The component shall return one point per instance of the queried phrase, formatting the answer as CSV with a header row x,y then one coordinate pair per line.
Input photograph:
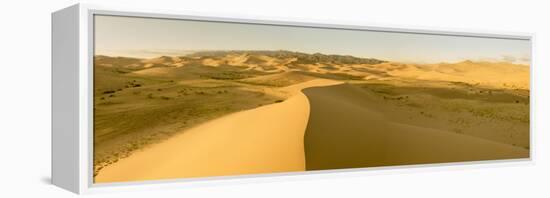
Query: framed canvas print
x,y
163,98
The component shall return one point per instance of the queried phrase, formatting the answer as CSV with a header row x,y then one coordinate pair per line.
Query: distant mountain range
x,y
234,57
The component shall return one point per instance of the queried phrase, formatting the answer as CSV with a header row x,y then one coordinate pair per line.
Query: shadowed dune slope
x,y
346,131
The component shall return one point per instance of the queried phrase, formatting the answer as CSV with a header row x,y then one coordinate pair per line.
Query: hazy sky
x,y
149,37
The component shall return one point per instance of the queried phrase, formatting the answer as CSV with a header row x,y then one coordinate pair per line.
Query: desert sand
x,y
218,113
267,139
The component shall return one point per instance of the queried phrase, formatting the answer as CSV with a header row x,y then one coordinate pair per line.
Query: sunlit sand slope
x,y
267,139
346,131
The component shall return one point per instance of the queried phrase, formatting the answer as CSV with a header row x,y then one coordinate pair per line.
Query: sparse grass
x,y
491,114
336,76
229,75
156,110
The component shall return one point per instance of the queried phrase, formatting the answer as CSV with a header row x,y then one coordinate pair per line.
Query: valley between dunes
x,y
226,113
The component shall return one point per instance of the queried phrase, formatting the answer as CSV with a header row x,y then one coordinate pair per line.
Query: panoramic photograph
x,y
181,99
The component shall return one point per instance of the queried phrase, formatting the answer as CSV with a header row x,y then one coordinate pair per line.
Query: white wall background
x,y
25,97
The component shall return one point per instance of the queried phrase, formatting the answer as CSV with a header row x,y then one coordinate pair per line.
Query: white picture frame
x,y
72,107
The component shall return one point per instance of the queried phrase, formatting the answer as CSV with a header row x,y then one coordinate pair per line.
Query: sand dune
x,y
493,74
263,140
366,137
329,126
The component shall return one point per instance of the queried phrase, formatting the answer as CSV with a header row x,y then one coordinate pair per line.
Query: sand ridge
x,y
267,139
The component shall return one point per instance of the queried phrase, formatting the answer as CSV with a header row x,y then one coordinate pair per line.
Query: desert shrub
x,y
329,67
